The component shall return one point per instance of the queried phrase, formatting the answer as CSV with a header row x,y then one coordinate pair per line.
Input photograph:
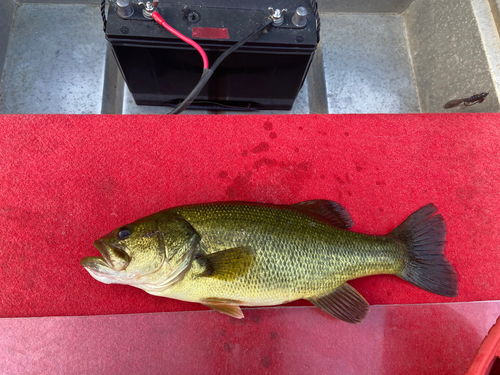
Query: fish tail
x,y
424,237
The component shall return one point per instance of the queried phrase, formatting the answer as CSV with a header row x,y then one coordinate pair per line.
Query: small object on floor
x,y
466,102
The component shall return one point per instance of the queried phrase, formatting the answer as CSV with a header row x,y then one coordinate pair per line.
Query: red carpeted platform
x,y
67,180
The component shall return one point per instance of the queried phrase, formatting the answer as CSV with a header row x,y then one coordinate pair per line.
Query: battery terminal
x,y
149,8
299,19
125,9
277,15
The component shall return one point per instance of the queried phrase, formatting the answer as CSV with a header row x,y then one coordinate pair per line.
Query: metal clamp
x,y
149,8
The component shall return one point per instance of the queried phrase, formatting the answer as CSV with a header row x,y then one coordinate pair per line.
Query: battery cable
x,y
158,18
207,72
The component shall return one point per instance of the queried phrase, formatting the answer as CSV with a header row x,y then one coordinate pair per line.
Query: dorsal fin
x,y
344,303
331,211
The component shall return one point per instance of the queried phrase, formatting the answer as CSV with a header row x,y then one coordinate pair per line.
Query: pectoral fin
x,y
227,307
227,264
344,303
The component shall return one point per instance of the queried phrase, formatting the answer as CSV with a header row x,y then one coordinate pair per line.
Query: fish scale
x,y
296,256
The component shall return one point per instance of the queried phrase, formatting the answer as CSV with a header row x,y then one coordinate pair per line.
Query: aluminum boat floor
x,y
57,61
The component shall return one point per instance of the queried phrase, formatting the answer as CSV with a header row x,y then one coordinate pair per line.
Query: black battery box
x,y
267,72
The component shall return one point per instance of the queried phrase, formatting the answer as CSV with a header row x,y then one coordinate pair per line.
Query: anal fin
x,y
227,307
344,303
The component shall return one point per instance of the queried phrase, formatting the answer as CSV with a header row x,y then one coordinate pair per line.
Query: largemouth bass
x,y
231,254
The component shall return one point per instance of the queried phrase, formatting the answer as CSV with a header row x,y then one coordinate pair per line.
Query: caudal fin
x,y
424,237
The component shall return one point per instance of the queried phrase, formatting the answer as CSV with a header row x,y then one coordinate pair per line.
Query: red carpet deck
x,y
65,181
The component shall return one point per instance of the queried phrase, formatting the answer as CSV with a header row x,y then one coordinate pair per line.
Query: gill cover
x,y
180,243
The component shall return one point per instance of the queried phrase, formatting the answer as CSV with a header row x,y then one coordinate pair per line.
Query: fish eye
x,y
123,233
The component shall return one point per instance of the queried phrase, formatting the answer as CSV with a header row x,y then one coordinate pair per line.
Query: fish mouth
x,y
94,264
104,252
113,258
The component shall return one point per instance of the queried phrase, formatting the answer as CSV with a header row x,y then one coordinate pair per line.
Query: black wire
x,y
207,73
314,6
103,14
211,105
205,76
240,43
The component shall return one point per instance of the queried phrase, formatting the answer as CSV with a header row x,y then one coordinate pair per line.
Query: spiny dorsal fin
x,y
344,303
227,307
227,264
332,211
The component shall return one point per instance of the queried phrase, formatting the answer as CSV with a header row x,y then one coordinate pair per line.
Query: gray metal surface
x,y
7,9
448,57
86,2
55,61
366,63
363,6
495,12
54,58
113,87
491,42
318,101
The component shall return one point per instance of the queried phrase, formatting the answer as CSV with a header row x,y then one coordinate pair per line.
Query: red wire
x,y
158,18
